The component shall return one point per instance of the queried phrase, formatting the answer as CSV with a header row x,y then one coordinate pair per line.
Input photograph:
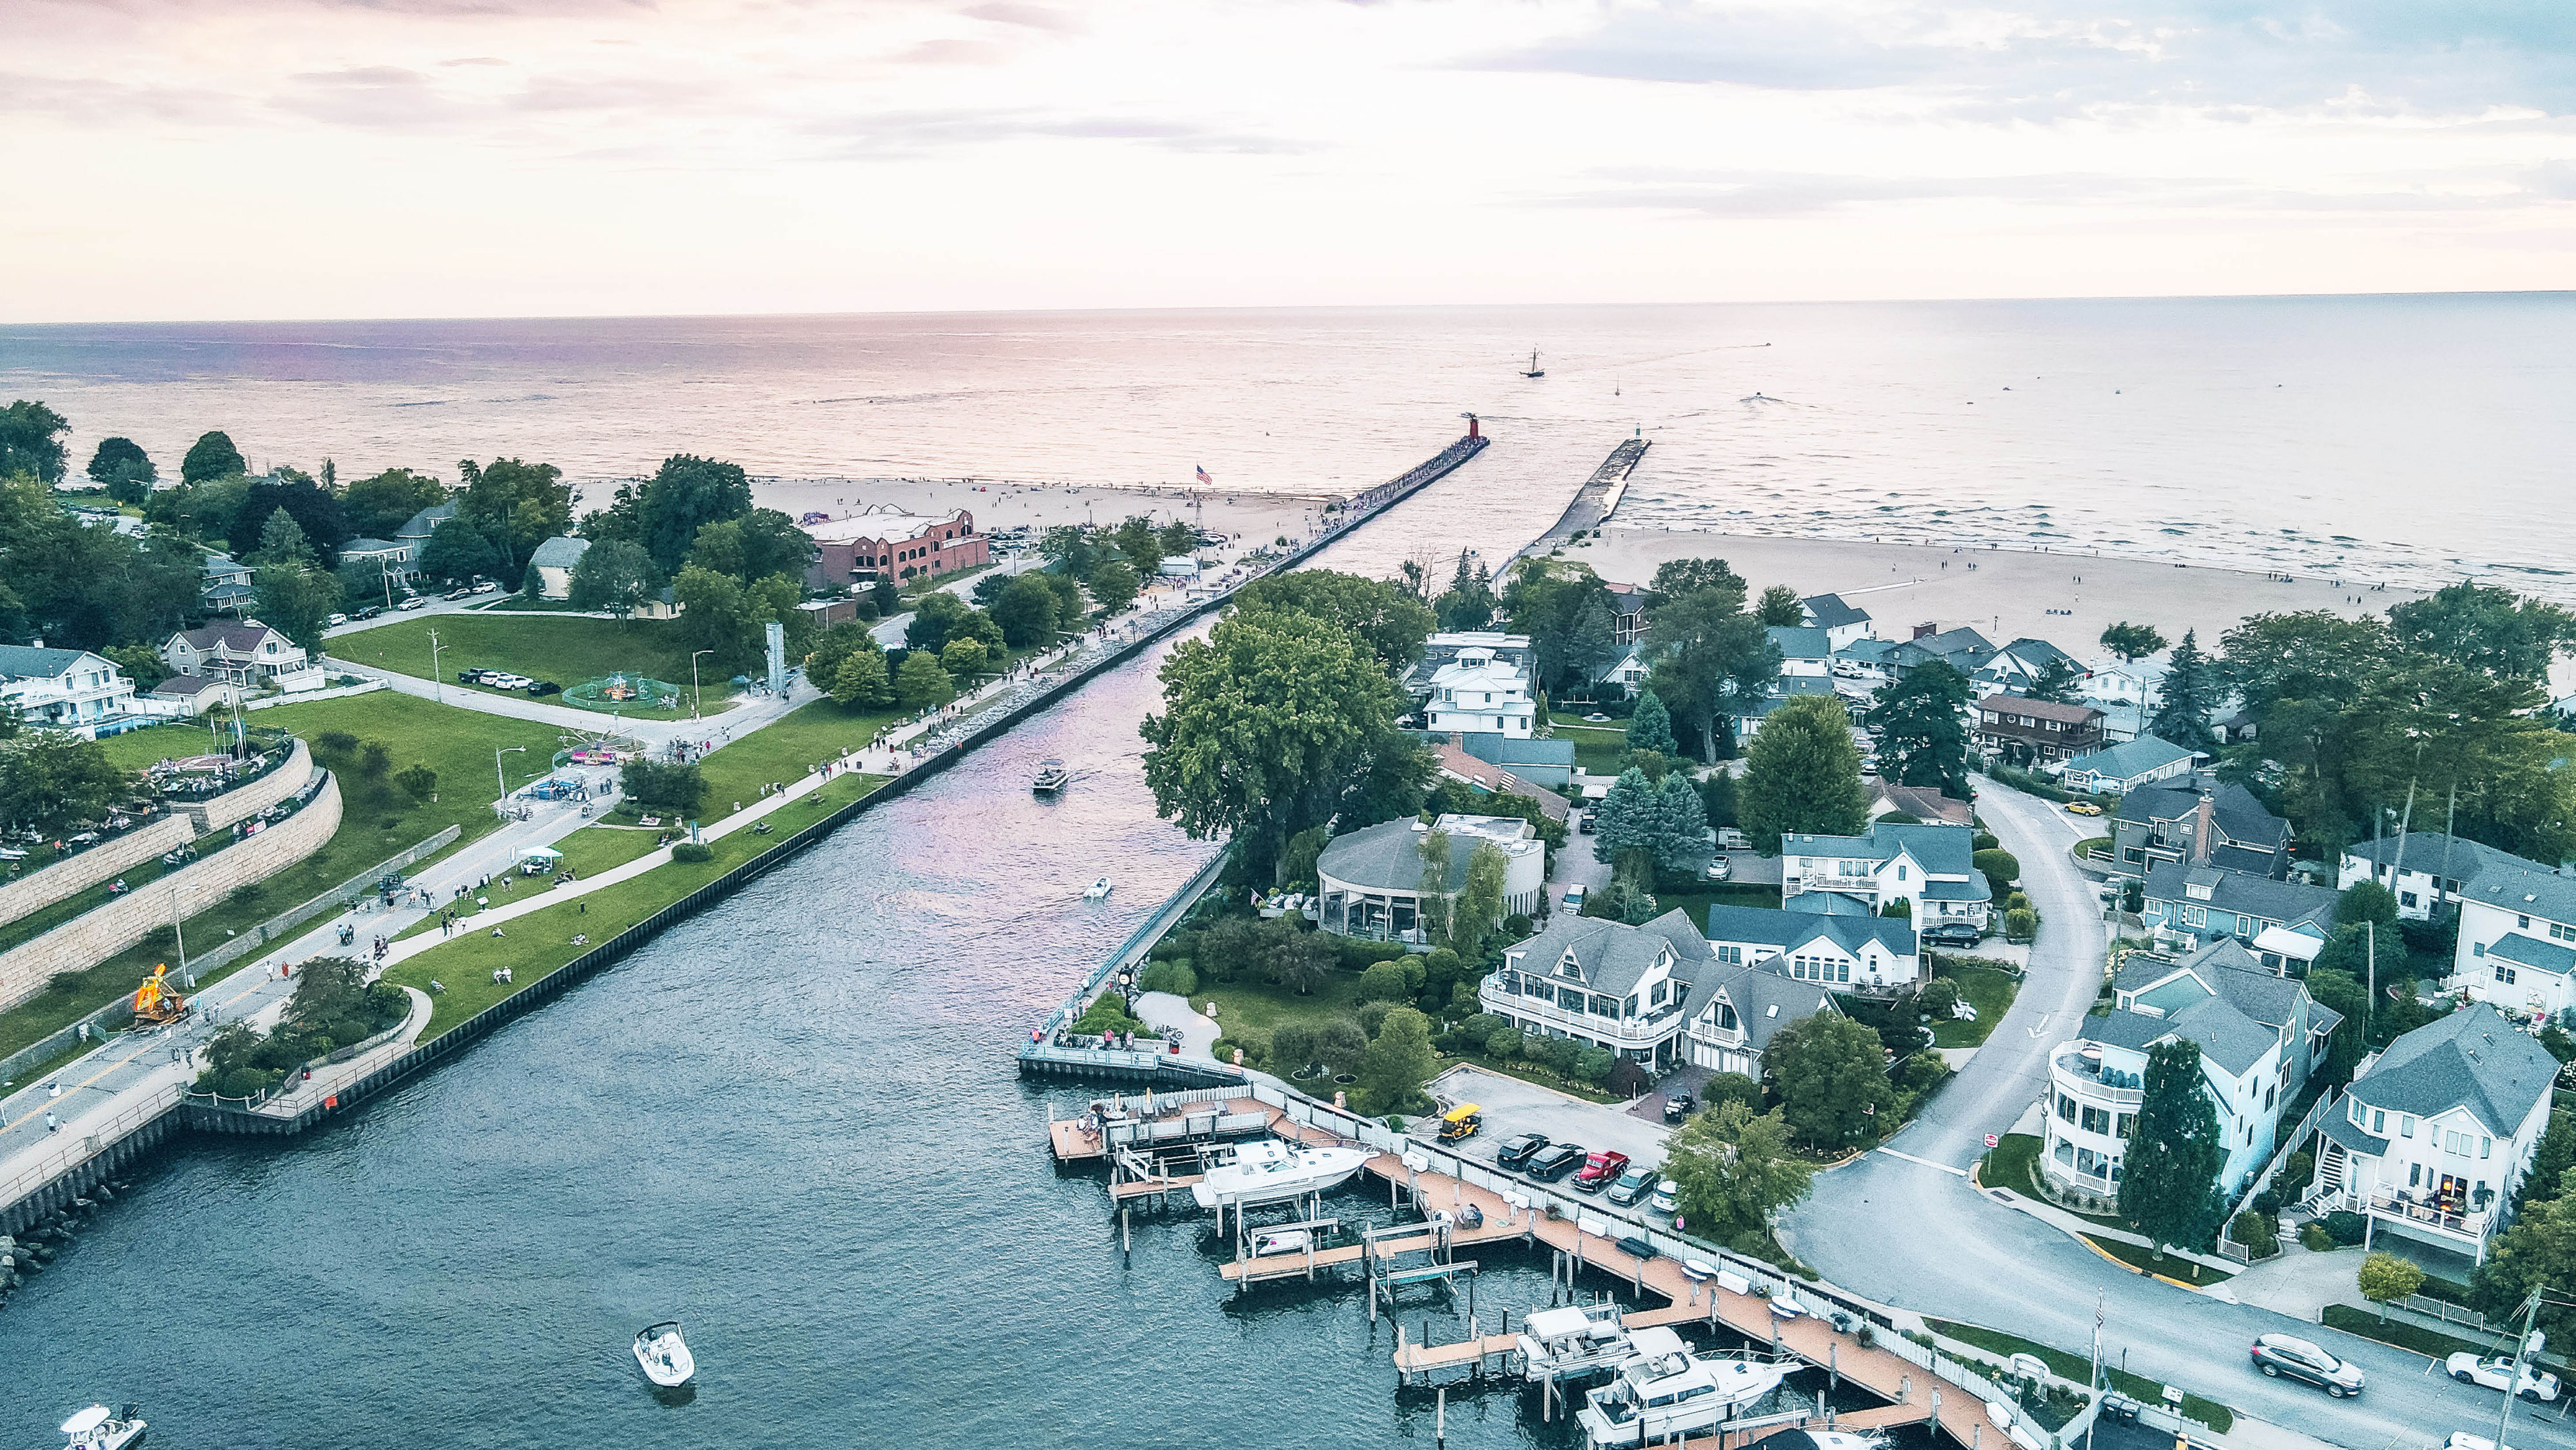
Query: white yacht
x,y
1667,1390
96,1428
1573,1341
664,1355
1269,1170
1823,1440
1098,890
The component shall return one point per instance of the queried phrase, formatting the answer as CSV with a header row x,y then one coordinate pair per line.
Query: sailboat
x,y
1533,370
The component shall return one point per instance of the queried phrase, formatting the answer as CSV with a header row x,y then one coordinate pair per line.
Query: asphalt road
x,y
1917,1236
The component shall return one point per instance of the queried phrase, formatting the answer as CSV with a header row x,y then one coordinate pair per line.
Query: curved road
x,y
1916,1235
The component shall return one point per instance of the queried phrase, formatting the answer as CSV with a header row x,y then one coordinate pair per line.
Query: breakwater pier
x,y
1596,500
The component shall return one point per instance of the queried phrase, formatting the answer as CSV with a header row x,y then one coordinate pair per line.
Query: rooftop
x,y
2131,758
1795,643
559,552
2469,1058
2072,714
1790,930
2240,816
2241,891
891,525
1388,857
1829,611
35,662
2432,852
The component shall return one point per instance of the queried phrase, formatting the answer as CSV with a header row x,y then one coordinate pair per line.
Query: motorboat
x,y
1097,891
98,1428
1666,1390
1571,1342
664,1355
1051,777
1283,1241
1270,1170
1794,1439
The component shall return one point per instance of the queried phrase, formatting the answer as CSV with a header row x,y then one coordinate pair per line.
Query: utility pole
x,y
437,691
2093,1385
2370,992
2523,1347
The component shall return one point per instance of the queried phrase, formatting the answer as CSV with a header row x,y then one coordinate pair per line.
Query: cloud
x,y
1736,195
1028,17
954,52
475,60
911,133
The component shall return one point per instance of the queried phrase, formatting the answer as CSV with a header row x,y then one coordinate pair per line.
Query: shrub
x,y
1627,1079
1339,1045
693,851
2254,1230
2018,901
2021,925
2314,1238
1384,982
659,786
1292,1047
1174,977
1372,1015
1922,1072
2000,867
1940,995
1983,841
1593,1064
1564,1055
1357,955
1108,1014
2345,1227
1504,1044
1254,1042
1731,1087
1517,927
2296,1174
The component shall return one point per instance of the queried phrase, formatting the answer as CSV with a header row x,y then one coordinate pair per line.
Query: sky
x,y
223,159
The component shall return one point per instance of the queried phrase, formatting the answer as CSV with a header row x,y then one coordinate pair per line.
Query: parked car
x,y
1554,1161
1574,899
371,611
488,586
2537,1385
1668,1196
1632,1186
470,677
461,591
1719,868
1519,1148
2281,1354
417,601
2463,1440
1601,1170
544,687
1952,934
1677,1106
336,619
1588,822
2082,808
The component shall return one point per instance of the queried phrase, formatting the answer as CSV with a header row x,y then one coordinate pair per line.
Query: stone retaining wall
x,y
110,859
96,935
259,795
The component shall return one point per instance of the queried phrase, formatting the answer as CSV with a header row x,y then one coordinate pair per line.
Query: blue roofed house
x,y
1747,718
2259,1036
1869,661
2517,945
1931,868
1845,948
2425,868
2125,767
68,689
2437,1130
2285,923
2170,820
1655,994
553,563
1842,622
1802,651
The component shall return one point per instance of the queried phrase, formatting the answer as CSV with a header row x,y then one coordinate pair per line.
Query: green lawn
x,y
1597,748
1718,893
2170,1266
377,821
786,750
565,651
2014,1164
594,849
542,942
1988,989
2079,1368
1258,1004
2365,1322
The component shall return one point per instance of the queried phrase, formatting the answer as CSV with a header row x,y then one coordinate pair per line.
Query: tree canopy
x,y
313,508
1665,820
1831,1073
517,506
377,507
1386,620
120,466
51,780
1735,1169
683,496
211,456
754,545
1712,660
1802,775
723,614
1469,601
2169,1179
457,550
2184,700
31,441
1921,725
1780,606
1650,726
2132,642
614,576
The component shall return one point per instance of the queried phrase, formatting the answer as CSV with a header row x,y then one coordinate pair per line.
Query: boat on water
x,y
1667,1390
98,1428
1533,370
1269,1170
1572,1342
1097,891
664,1356
1051,777
1282,1241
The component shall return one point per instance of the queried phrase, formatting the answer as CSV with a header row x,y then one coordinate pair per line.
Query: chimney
x,y
2203,826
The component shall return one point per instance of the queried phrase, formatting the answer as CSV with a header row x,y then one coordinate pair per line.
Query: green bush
x,y
2314,1238
1108,1014
1517,927
1358,955
693,851
2021,925
1731,1087
2296,1174
1998,866
2255,1231
1593,1064
1254,1042
1940,995
1385,982
1292,1048
2345,1227
1983,841
1504,1044
1372,1015
1174,977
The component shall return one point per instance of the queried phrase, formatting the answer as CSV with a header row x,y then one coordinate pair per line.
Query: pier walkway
x,y
1596,500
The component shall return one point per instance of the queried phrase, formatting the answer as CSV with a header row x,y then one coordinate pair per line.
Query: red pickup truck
x,y
1601,1170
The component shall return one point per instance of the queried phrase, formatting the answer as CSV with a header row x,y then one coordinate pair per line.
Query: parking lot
x,y
1513,1106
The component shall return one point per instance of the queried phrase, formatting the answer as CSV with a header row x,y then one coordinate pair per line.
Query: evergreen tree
x,y
2183,702
282,541
2549,1162
1469,602
1391,1069
2169,1183
1591,646
1651,727
1921,723
1781,607
1627,817
1802,775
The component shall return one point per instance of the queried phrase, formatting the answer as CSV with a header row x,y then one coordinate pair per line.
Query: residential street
x,y
1963,1256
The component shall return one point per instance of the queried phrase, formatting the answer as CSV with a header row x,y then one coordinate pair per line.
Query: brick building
x,y
2027,732
891,545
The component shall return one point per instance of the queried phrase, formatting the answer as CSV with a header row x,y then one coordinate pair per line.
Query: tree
x,y
725,615
1381,617
1478,911
315,512
1072,548
1592,645
1289,955
457,550
2366,901
2550,1161
517,506
211,456
2493,631
2385,1277
282,541
1921,724
1831,1073
378,507
1340,1046
1651,726
2056,681
1546,598
753,545
859,681
1469,601
2183,702
2132,642
1265,724
31,441
2341,990
1628,818
1024,608
1292,1048
2169,1186
962,657
660,785
1802,775
1141,542
1677,577
1712,660
612,575
122,468
921,684
1735,1169
941,617
2001,869
297,602
50,780
1115,585
2539,1251
419,782
684,495
1781,607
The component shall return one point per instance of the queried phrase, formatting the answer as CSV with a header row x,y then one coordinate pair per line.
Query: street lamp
x,y
175,929
695,699
437,691
504,801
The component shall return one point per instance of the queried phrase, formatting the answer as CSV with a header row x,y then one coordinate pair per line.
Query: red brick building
x,y
2028,732
894,546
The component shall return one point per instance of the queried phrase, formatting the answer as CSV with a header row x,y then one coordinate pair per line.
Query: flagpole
x,y
2095,1385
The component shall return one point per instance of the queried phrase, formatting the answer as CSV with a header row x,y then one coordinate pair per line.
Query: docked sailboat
x,y
1568,1343
1051,777
1269,1170
98,1428
1667,1390
664,1355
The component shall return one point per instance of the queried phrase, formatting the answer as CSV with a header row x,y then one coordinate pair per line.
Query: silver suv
x,y
2280,1354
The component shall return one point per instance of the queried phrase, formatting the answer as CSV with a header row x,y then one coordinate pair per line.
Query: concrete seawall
x,y
187,820
1596,500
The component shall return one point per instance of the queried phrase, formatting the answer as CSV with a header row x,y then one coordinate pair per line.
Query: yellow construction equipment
x,y
156,1002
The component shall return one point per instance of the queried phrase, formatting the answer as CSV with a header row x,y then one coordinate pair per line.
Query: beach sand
x,y
2005,596
1258,517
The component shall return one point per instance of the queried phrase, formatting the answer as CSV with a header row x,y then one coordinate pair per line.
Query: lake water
x,y
2401,438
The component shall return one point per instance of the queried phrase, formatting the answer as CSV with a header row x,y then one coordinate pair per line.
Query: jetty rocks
x,y
26,1253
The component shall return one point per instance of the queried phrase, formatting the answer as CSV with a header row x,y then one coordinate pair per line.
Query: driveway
x,y
1513,1106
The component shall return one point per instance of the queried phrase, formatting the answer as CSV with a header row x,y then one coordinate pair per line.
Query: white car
x,y
2538,1386
487,587
2463,1440
1574,899
1667,1199
417,601
337,619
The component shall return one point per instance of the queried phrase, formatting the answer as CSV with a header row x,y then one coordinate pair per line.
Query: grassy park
x,y
564,651
1597,748
784,750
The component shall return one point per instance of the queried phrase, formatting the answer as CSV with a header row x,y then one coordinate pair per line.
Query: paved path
x,y
753,712
1159,1010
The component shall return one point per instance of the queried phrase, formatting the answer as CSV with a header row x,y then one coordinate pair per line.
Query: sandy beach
x,y
2066,599
1001,505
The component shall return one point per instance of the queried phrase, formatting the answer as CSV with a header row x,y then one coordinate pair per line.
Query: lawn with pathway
x,y
566,651
1989,989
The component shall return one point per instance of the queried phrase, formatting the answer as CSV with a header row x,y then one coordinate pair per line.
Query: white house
x,y
249,654
1842,623
1803,652
1629,672
2423,868
2437,1131
1654,994
2019,663
1371,882
1479,681
2259,1036
67,689
2517,940
2125,693
1852,952
554,560
2125,767
1931,868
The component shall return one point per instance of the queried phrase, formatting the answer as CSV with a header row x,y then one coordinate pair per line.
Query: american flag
x,y
1204,480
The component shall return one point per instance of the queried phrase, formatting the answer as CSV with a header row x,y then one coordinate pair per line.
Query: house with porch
x,y
1808,652
1654,994
2517,947
249,654
1747,718
2437,1132
1476,681
2285,923
2119,769
2197,817
1842,623
68,689
2425,869
1930,868
2027,732
1847,950
1370,883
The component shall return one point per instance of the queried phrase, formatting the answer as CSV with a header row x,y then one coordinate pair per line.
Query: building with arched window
x,y
886,544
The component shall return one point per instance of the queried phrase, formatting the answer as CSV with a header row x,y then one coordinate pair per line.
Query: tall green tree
x,y
1650,726
2550,1161
1781,606
457,550
1712,660
2183,702
517,506
2132,642
1802,775
859,681
1921,725
51,780
1831,1073
211,456
1114,584
1735,1169
1386,620
1469,602
1592,645
1432,890
2056,681
2339,989
2537,1252
1141,543
683,496
613,576
1264,724
1545,597
120,466
282,541
754,545
296,600
316,513
1677,577
723,614
2493,631
377,507
1026,610
922,684
1478,914
1393,1067
31,441
2169,1182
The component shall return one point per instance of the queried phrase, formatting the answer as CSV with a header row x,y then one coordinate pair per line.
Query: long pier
x,y
1596,500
